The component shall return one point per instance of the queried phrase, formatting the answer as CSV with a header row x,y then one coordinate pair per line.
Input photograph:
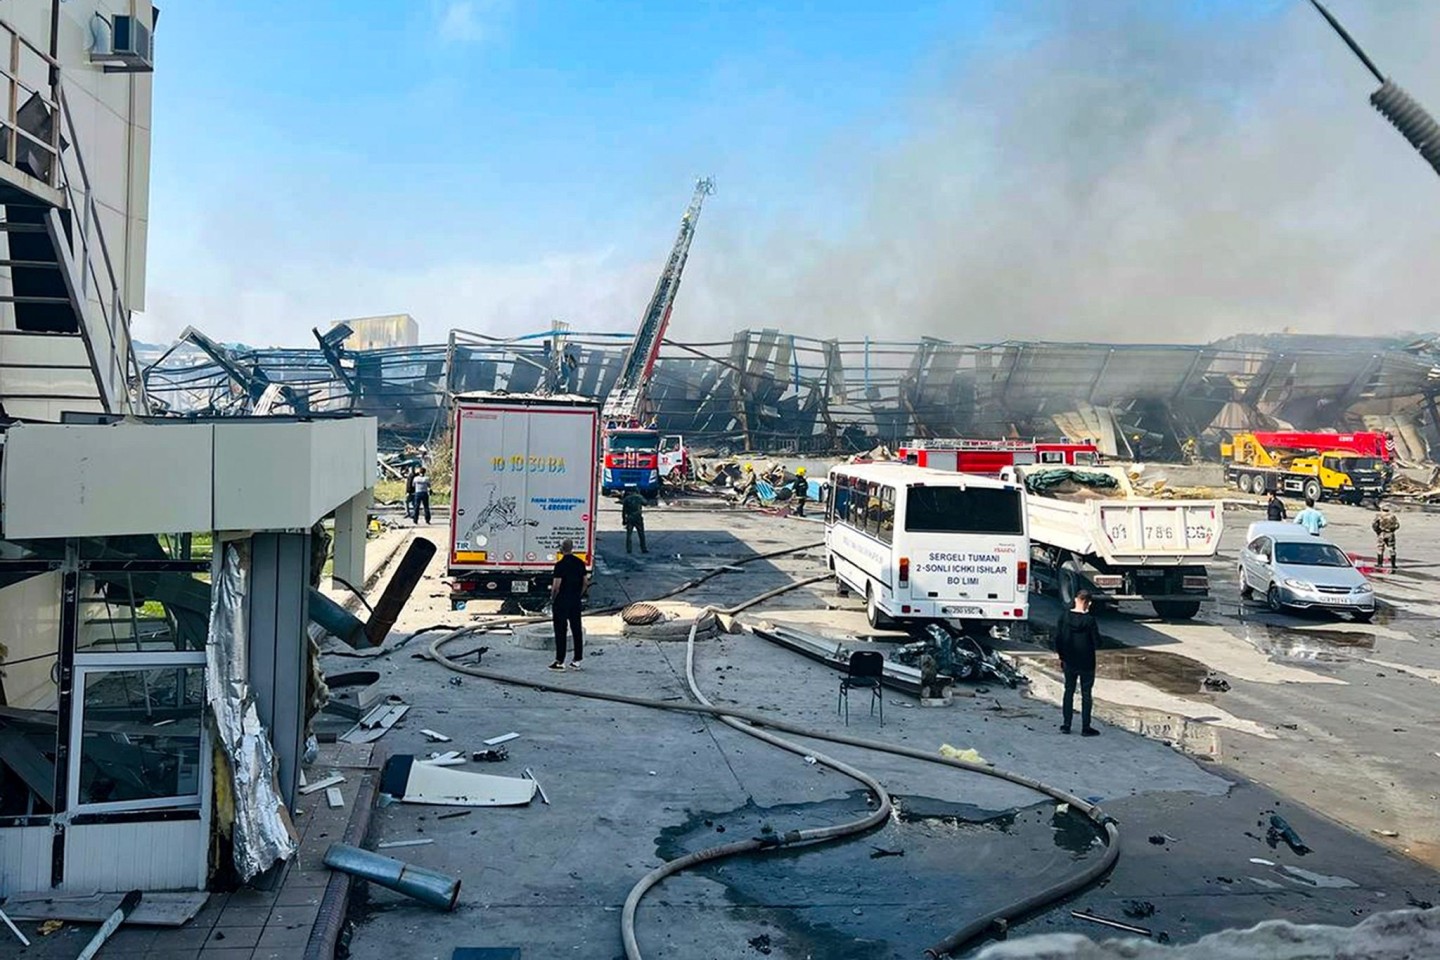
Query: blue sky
x,y
406,136
495,164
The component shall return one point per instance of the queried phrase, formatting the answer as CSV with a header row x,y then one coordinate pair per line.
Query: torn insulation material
x,y
263,832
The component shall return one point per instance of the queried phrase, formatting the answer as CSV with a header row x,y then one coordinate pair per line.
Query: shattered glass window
x,y
143,612
140,736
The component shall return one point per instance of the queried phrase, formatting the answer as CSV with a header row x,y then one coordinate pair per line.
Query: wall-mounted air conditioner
x,y
123,44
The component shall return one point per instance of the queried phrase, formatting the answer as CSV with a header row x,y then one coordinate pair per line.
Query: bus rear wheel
x,y
873,614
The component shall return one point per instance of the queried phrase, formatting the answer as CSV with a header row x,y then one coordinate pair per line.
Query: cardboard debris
x,y
334,797
503,738
437,737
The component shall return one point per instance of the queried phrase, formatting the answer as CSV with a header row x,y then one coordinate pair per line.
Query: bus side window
x,y
1052,456
877,510
887,514
859,505
840,499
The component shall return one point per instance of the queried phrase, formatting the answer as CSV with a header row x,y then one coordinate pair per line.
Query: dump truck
x,y
1089,529
1349,467
525,469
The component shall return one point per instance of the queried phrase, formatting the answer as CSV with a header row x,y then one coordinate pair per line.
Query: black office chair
x,y
866,669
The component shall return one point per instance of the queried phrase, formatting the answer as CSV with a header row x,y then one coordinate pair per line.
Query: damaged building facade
x,y
153,571
776,391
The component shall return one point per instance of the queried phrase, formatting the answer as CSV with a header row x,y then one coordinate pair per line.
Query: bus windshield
x,y
956,510
620,442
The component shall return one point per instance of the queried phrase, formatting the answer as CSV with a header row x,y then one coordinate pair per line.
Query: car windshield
x,y
1310,555
631,441
1347,464
957,510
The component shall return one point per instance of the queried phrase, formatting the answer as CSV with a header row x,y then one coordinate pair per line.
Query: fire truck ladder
x,y
626,402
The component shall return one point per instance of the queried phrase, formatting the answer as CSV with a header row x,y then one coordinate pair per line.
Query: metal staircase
x,y
64,328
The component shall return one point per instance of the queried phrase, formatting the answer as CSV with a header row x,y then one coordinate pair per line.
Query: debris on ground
x,y
880,853
50,926
1280,831
492,755
968,755
1107,922
1216,684
410,781
761,944
427,886
1139,909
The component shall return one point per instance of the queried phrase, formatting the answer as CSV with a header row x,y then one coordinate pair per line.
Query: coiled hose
x,y
995,920
1411,119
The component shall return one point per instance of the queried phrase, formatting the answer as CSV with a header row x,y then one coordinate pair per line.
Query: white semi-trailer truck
x,y
525,474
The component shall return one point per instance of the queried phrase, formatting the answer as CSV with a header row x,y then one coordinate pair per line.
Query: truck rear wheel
x,y
1071,580
1243,482
1176,609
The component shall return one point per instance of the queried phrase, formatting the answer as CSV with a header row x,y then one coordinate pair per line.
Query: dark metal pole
x,y
1349,41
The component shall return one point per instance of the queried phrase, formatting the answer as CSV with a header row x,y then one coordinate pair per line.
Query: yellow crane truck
x,y
1322,466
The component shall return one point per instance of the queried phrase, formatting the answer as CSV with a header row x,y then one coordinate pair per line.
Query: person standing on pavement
x,y
1275,508
1385,525
632,514
422,495
1077,637
801,486
566,590
1311,518
410,494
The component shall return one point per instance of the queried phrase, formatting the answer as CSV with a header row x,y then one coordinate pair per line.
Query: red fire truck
x,y
989,457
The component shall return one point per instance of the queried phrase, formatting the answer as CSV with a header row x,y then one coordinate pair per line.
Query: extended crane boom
x,y
634,458
625,405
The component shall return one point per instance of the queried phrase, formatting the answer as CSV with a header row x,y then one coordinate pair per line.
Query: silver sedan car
x,y
1292,568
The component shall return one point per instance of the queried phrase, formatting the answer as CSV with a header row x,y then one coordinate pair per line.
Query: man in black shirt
x,y
1275,507
566,590
1077,636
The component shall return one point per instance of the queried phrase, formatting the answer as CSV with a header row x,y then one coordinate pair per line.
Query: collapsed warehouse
x,y
785,392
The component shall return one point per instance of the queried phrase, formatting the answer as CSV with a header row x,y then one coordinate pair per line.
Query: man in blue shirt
x,y
1310,518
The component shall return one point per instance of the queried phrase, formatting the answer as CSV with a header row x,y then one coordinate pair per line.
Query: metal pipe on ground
x,y
427,886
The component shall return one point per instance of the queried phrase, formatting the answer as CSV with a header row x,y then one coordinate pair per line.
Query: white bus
x,y
923,544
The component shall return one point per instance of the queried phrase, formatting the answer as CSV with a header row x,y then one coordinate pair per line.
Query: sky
x,y
1140,170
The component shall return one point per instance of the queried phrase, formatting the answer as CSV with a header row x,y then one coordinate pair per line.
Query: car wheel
x,y
1246,592
1312,490
1272,597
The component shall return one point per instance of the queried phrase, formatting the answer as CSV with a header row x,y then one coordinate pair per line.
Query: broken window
x,y
142,612
140,734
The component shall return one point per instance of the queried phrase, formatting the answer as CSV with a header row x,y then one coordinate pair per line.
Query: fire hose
x,y
996,920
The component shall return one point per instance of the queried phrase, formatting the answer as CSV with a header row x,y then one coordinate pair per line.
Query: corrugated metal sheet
x,y
25,859
166,855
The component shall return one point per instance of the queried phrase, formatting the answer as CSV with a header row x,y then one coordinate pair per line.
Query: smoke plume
x,y
1118,169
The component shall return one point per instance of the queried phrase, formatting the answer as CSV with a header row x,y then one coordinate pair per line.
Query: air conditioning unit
x,y
128,48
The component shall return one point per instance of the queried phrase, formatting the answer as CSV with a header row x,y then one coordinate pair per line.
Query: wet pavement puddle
x,y
891,892
1309,645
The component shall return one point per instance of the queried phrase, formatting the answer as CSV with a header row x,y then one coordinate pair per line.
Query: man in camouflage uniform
x,y
1385,525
